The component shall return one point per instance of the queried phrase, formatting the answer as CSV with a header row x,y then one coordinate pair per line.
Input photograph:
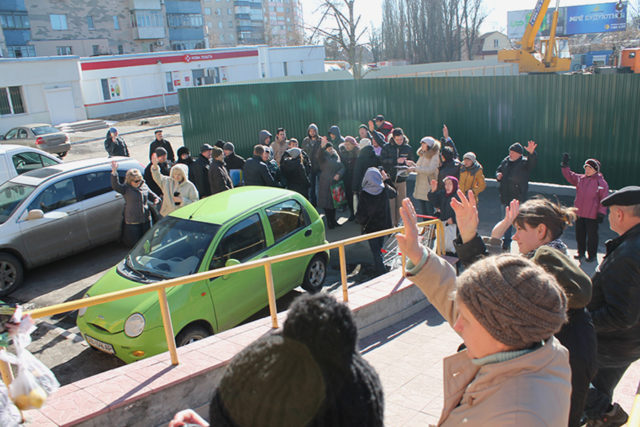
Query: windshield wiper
x,y
152,274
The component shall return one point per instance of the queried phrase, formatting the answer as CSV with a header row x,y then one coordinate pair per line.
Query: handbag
x,y
338,194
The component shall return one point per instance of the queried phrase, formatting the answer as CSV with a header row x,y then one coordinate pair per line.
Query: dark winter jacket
x,y
615,305
148,178
578,334
590,190
219,179
295,174
155,144
313,148
515,178
335,131
389,156
448,142
255,172
199,175
330,167
348,159
374,212
442,201
117,147
449,167
136,209
366,159
233,161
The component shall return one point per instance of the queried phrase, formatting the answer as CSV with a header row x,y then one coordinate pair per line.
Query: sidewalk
x,y
408,357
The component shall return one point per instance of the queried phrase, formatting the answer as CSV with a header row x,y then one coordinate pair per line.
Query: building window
x,y
229,12
184,20
120,49
58,22
64,50
207,11
221,37
96,49
230,24
116,24
148,18
106,93
496,43
21,51
217,11
284,68
169,81
220,24
14,22
11,100
90,23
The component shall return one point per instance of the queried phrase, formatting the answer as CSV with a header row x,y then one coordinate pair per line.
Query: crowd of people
x,y
543,342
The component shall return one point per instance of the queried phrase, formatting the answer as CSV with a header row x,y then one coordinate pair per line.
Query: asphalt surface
x,y
57,342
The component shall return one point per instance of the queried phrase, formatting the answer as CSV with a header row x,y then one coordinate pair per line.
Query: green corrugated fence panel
x,y
587,116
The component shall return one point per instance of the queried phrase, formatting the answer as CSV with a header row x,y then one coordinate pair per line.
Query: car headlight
x,y
134,325
83,310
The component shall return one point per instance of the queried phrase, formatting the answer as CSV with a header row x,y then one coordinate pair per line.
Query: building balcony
x,y
146,5
147,33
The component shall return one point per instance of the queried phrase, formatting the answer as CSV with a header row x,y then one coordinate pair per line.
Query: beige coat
x,y
169,186
426,170
530,390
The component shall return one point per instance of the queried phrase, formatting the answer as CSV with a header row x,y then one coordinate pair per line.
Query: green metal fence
x,y
587,116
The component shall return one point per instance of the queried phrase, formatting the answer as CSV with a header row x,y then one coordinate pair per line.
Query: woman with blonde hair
x,y
177,189
136,195
426,170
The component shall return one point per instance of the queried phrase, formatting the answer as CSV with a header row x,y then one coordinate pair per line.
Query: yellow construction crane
x,y
547,59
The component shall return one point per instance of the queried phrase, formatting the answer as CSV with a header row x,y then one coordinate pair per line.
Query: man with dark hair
x,y
615,307
397,154
513,175
279,146
199,171
381,125
161,153
255,170
219,179
158,142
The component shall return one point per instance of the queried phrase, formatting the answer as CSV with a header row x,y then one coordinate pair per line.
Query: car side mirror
x,y
230,263
35,214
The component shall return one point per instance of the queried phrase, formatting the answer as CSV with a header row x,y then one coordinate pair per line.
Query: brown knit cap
x,y
515,300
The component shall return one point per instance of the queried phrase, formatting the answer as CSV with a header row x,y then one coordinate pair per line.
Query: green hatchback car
x,y
229,228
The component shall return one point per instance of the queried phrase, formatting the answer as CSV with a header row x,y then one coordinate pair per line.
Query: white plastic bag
x,y
450,231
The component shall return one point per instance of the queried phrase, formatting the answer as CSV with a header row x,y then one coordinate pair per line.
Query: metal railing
x,y
161,287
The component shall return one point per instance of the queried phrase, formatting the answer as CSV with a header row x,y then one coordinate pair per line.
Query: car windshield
x,y
173,248
11,196
42,130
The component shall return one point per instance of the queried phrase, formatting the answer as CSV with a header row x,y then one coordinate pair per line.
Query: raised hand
x,y
565,159
154,159
510,214
531,147
434,185
466,215
445,131
114,167
371,127
408,241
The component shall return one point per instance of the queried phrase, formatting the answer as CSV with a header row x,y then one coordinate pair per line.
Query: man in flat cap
x,y
615,307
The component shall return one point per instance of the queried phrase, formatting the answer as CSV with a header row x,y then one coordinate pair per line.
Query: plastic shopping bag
x,y
34,382
338,194
450,232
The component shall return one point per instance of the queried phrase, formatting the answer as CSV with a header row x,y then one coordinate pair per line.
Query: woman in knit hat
x,y
539,225
506,309
426,169
471,175
591,188
311,374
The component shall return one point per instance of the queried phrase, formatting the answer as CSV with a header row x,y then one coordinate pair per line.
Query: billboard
x,y
594,18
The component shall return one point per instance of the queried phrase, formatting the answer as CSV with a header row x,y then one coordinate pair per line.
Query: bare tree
x,y
472,18
343,30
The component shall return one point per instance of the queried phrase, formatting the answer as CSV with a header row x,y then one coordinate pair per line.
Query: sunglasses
x,y
137,181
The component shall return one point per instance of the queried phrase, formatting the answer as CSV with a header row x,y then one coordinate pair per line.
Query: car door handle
x,y
75,211
308,233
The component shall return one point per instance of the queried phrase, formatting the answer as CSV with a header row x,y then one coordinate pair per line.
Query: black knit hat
x,y
594,163
183,150
517,147
310,375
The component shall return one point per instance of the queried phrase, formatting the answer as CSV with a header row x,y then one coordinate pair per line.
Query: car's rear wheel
x,y
61,155
315,274
11,274
191,334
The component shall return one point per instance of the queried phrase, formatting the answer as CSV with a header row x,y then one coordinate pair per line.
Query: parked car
x,y
39,135
18,159
56,211
232,227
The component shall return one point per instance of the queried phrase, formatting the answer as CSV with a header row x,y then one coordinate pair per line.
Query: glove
x,y
565,159
600,218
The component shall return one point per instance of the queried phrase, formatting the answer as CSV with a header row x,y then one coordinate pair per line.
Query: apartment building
x,y
220,22
283,22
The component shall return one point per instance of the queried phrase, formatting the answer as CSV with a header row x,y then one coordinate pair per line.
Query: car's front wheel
x,y
11,274
315,274
191,334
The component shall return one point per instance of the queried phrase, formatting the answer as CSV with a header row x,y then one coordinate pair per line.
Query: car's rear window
x,y
41,130
43,172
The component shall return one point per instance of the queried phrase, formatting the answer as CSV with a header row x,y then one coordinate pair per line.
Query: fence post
x,y
440,237
272,295
168,326
343,274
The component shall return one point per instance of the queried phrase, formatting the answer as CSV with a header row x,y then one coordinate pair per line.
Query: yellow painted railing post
x,y
6,372
168,326
440,236
272,295
343,274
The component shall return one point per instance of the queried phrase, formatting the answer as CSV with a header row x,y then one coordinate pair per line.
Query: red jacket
x,y
590,190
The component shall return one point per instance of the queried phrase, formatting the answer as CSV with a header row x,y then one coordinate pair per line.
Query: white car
x,y
18,159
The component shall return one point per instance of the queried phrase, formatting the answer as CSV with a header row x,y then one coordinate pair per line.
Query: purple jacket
x,y
590,190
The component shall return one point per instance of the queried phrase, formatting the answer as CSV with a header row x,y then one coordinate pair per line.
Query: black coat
x,y
515,178
442,202
448,168
233,161
155,144
295,175
256,172
389,156
117,147
348,159
366,159
219,179
374,212
148,178
577,335
615,304
199,175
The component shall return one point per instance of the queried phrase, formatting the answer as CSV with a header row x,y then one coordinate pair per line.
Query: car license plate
x,y
102,346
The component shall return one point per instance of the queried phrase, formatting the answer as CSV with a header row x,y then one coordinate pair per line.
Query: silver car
x,y
56,211
39,135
